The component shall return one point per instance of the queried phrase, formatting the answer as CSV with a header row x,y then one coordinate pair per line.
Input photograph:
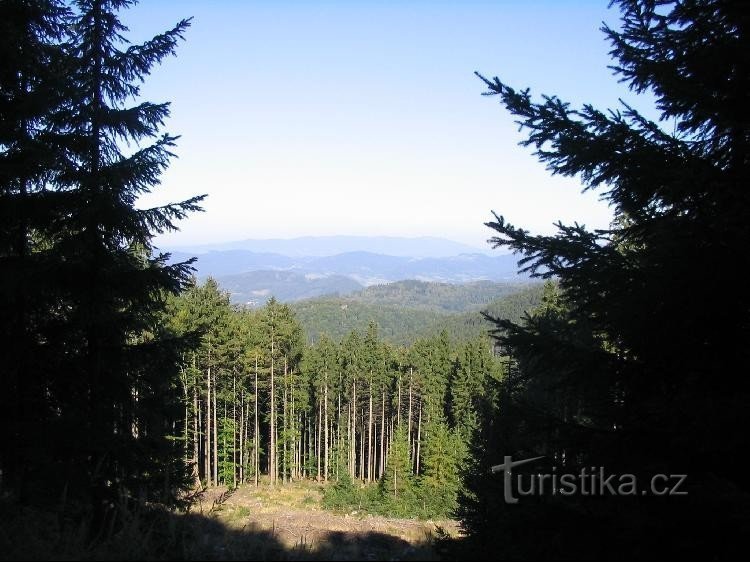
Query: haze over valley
x,y
253,271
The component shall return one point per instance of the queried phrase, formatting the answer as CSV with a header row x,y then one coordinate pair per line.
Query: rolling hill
x,y
306,277
414,309
254,288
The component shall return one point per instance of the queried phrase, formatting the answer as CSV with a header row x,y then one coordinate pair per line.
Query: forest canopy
x,y
126,384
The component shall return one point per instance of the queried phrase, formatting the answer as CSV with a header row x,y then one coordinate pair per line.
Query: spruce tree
x,y
444,454
397,484
635,367
109,382
32,90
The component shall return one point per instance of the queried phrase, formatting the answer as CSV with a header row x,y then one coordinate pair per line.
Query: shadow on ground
x,y
158,534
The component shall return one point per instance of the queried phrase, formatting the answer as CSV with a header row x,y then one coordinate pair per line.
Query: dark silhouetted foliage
x,y
636,365
92,367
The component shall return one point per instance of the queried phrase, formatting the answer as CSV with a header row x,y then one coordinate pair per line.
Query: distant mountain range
x,y
254,288
317,246
253,276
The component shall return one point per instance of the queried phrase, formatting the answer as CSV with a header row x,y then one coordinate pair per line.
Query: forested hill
x,y
445,297
408,310
252,278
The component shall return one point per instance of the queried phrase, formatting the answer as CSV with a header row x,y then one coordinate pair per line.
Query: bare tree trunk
x,y
292,431
272,446
208,425
276,451
247,434
234,430
419,435
310,438
224,442
338,426
256,431
285,429
186,394
325,415
408,431
350,462
398,410
216,439
332,437
370,447
199,434
381,467
242,437
300,448
354,430
196,452
362,446
319,432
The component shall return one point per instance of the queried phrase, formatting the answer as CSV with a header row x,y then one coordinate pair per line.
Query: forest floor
x,y
288,522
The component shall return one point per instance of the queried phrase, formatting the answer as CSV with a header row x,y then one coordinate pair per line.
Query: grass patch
x,y
347,496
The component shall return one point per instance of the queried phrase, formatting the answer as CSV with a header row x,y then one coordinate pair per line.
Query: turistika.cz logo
x,y
588,482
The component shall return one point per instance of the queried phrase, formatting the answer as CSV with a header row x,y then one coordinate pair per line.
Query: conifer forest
x,y
149,412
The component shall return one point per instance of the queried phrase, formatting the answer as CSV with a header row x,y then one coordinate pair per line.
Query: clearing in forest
x,y
288,522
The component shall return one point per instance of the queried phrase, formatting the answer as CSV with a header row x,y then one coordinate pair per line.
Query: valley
x,y
323,266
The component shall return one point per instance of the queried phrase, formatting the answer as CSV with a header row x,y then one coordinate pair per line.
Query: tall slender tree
x,y
117,283
32,91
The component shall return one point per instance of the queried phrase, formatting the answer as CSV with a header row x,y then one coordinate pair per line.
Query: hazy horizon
x,y
353,241
366,118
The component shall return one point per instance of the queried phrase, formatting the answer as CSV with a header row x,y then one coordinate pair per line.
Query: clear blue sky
x,y
364,117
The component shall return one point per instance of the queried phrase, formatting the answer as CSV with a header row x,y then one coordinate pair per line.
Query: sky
x,y
303,118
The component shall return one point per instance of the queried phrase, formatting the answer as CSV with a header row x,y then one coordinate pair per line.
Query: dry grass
x,y
293,514
285,522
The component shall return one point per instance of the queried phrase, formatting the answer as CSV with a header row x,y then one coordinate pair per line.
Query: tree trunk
x,y
419,436
256,431
338,426
199,435
370,448
319,432
292,432
398,410
196,425
310,438
325,416
381,467
354,430
208,423
350,464
408,431
285,429
234,430
362,446
242,437
272,446
216,439
224,444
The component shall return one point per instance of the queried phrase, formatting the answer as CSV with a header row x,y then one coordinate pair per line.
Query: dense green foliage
x,y
89,368
635,364
259,401
440,297
124,380
408,311
399,493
